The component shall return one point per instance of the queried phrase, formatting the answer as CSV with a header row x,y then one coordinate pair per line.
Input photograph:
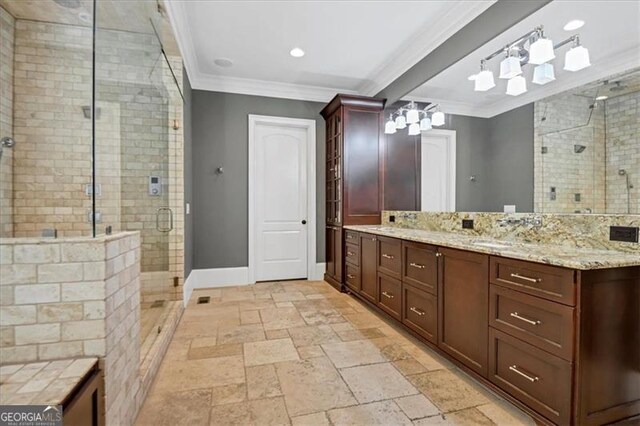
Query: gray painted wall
x,y
220,202
499,152
188,177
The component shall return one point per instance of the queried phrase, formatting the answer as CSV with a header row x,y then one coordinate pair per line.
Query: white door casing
x,y
438,171
281,197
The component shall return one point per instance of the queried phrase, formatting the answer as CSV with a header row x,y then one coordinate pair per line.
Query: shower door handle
x,y
158,213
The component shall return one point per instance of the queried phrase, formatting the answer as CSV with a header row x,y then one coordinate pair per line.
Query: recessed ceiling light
x,y
601,98
573,25
296,52
472,77
223,62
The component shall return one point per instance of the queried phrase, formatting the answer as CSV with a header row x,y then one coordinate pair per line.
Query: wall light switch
x,y
509,208
187,208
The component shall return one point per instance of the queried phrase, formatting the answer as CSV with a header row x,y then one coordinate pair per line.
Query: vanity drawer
x,y
549,282
420,312
544,324
540,380
352,278
390,256
390,295
352,254
352,237
420,266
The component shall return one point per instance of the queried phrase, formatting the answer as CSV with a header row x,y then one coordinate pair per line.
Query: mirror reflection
x,y
544,118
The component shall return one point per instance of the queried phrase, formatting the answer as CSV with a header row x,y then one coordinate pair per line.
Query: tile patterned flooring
x,y
301,353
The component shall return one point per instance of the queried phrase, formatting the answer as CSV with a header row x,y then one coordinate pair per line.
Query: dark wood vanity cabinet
x,y
464,303
353,172
562,344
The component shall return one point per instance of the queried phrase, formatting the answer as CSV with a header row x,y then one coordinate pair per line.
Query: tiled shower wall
x,y
7,28
560,123
135,112
623,152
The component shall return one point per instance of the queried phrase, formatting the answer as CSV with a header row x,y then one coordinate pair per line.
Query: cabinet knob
x,y
438,254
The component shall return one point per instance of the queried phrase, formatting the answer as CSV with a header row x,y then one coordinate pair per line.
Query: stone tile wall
x,y
7,28
76,297
623,152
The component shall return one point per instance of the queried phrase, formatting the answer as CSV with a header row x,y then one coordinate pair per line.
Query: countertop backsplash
x,y
568,230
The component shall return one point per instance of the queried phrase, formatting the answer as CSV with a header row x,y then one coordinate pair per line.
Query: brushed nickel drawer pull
x,y
350,253
522,277
388,256
351,276
418,311
527,320
417,265
349,237
514,368
387,295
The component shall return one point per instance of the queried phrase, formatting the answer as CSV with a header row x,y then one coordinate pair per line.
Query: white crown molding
x,y
619,63
182,32
422,44
274,89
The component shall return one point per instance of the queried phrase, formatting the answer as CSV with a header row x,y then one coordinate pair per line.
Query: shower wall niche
x,y
583,138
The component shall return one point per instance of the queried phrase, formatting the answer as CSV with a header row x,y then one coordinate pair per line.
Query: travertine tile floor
x,y
301,353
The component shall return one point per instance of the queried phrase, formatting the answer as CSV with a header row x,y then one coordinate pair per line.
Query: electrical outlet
x,y
392,218
627,234
467,223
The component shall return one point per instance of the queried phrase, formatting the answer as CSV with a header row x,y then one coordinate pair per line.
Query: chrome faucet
x,y
535,221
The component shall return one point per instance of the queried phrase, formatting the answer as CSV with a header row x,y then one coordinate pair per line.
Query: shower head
x,y
619,87
6,142
579,148
622,172
69,4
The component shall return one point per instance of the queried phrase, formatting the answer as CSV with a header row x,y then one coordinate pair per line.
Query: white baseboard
x,y
226,277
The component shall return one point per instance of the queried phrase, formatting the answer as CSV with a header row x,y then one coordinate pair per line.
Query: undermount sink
x,y
492,244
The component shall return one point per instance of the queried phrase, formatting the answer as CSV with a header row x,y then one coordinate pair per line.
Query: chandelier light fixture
x,y
532,48
419,120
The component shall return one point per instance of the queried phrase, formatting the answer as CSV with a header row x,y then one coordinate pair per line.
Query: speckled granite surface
x,y
569,257
46,383
566,230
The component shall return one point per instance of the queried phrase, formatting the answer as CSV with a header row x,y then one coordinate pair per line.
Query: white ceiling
x,y
351,46
611,33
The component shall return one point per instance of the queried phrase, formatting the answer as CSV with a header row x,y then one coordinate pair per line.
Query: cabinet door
x,y
368,262
330,252
464,307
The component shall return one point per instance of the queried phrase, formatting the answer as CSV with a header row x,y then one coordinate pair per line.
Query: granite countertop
x,y
45,383
568,257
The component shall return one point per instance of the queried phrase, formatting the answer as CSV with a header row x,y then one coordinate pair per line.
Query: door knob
x,y
304,222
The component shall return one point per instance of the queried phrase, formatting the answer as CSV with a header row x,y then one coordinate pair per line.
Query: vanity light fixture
x,y
532,48
484,79
516,86
510,66
418,119
577,57
543,74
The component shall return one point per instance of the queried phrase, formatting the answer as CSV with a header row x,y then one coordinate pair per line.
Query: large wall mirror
x,y
544,118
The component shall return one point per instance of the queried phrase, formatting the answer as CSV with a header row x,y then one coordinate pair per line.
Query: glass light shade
x,y
390,127
414,129
413,116
437,119
425,124
484,81
541,51
516,86
401,122
576,59
543,74
510,67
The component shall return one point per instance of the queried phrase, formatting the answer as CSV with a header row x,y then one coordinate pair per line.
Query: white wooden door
x,y
280,201
438,171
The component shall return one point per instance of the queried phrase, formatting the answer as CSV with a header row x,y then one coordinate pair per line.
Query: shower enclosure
x,y
587,148
91,130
